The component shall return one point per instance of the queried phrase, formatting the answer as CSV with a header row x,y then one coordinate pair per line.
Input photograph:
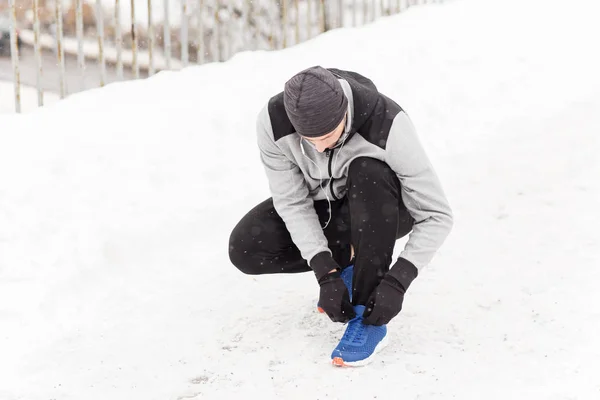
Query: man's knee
x,y
239,254
363,167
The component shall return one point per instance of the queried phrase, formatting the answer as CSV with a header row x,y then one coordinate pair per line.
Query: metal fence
x,y
207,31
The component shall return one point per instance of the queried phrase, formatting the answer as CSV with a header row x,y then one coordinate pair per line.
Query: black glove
x,y
386,300
334,298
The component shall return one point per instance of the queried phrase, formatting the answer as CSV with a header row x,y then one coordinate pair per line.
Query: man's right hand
x,y
334,298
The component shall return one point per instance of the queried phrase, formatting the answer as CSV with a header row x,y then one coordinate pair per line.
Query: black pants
x,y
371,217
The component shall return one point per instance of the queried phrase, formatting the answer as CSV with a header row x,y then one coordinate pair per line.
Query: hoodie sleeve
x,y
422,194
291,200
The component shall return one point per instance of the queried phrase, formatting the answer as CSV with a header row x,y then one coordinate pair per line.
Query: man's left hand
x,y
385,302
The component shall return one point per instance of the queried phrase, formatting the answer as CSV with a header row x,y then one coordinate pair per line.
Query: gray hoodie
x,y
377,127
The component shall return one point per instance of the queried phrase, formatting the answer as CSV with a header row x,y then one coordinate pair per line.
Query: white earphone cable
x,y
320,184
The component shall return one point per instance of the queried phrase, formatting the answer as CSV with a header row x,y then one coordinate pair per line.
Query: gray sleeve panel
x,y
290,193
421,191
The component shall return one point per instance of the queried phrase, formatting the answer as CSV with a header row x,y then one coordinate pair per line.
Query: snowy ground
x,y
114,276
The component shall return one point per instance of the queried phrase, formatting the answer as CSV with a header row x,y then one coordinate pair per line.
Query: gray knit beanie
x,y
314,102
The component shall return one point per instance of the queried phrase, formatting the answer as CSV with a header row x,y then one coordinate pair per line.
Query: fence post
x,y
229,23
14,54
184,33
118,39
271,35
308,19
60,51
38,52
134,42
167,35
322,16
373,10
150,40
284,22
79,29
200,50
249,44
100,30
297,21
218,31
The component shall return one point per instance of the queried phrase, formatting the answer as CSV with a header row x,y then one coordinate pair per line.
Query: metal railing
x,y
220,29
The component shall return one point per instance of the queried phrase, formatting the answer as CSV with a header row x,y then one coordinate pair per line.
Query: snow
x,y
116,205
29,98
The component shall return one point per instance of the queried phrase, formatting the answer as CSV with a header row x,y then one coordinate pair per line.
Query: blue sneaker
x,y
347,278
359,343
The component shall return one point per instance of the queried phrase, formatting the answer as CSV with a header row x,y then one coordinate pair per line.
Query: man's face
x,y
328,140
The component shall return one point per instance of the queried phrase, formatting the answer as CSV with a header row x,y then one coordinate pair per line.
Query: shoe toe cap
x,y
349,355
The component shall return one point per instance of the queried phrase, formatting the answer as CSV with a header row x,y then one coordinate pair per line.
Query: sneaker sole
x,y
339,361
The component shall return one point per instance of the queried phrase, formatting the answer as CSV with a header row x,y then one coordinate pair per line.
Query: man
x,y
348,177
